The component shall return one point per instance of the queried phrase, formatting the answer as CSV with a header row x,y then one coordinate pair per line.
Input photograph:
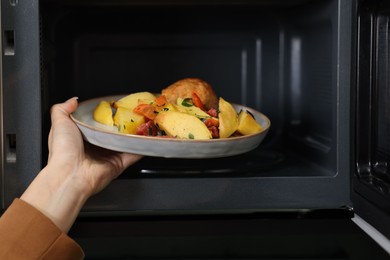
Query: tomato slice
x,y
197,101
211,122
146,110
161,101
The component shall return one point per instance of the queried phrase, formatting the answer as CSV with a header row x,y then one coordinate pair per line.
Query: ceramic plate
x,y
109,137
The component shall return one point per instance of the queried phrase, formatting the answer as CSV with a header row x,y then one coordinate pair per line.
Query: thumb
x,y
60,118
64,109
70,105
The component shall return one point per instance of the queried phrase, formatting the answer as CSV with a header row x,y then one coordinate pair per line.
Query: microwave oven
x,y
318,69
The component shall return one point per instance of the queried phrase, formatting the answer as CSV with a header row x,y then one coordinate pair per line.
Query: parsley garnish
x,y
187,102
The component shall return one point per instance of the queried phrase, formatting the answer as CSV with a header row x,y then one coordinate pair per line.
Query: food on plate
x,y
228,119
127,121
131,101
182,125
186,87
186,105
103,113
247,124
179,112
161,104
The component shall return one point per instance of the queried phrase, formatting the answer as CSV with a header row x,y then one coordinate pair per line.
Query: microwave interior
x,y
290,60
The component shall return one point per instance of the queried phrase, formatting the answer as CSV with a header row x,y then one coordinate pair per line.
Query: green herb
x,y
187,102
165,109
190,136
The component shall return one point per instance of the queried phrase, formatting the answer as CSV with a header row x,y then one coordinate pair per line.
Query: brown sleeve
x,y
26,233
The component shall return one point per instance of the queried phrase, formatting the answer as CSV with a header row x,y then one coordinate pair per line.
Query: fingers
x,y
121,161
129,159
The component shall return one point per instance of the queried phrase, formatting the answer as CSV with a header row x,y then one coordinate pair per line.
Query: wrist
x,y
60,198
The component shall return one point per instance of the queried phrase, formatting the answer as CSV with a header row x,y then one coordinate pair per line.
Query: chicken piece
x,y
184,89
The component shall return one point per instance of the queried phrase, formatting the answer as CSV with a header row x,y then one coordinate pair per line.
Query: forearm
x,y
56,195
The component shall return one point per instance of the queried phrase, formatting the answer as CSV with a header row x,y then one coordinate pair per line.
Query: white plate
x,y
109,137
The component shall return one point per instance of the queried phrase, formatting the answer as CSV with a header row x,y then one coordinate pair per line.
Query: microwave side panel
x,y
21,102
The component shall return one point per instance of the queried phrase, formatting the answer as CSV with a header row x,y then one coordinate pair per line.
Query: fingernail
x,y
75,98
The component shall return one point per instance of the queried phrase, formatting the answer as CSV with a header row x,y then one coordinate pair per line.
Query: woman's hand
x,y
75,170
93,167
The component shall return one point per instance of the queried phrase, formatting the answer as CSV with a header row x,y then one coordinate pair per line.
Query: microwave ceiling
x,y
266,3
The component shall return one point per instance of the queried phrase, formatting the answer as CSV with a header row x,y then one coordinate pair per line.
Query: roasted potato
x,y
189,108
182,125
228,119
103,113
247,124
127,121
132,100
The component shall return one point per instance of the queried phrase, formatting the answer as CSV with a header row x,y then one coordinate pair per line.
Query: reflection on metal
x,y
383,241
258,73
296,80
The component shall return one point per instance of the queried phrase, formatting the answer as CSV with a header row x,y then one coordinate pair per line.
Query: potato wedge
x,y
228,119
127,121
247,124
182,125
103,113
132,100
191,109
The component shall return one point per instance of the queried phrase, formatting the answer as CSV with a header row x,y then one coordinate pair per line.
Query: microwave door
x,y
371,170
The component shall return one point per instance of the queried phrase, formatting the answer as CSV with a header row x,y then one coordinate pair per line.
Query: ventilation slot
x,y
9,42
